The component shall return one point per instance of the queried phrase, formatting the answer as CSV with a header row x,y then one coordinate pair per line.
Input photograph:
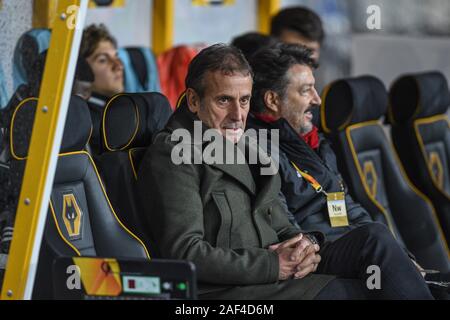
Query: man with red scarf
x,y
284,98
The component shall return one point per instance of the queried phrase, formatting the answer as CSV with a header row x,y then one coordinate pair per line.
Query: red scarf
x,y
312,138
265,117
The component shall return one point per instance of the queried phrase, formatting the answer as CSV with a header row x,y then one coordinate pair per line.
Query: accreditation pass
x,y
336,209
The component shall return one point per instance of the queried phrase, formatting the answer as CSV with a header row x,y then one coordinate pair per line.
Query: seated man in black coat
x,y
283,99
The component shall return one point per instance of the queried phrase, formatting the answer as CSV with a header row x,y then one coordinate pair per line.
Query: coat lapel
x,y
240,172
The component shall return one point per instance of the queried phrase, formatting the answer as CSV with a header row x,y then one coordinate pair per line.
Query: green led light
x,y
182,286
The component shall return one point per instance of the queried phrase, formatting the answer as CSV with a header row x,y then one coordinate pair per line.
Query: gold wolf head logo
x,y
71,215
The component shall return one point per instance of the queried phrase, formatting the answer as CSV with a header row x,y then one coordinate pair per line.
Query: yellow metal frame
x,y
162,25
44,13
266,10
46,138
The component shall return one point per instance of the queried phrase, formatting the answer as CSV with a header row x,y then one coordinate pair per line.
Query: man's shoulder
x,y
160,147
323,139
163,139
172,146
325,145
168,138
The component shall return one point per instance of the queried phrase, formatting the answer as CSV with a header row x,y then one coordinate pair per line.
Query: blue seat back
x,y
140,70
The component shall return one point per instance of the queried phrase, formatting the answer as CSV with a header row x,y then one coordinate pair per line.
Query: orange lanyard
x,y
313,182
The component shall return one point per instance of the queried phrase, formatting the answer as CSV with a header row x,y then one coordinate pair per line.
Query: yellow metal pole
x,y
45,142
266,10
44,13
163,25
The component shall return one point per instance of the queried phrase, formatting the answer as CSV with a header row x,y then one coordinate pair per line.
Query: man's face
x,y
293,37
107,68
225,103
299,99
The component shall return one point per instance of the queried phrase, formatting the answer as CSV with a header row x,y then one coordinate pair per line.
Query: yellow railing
x,y
45,142
266,9
162,25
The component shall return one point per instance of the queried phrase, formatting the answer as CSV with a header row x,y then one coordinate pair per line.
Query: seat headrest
x,y
29,46
416,96
78,127
130,120
21,126
354,100
37,73
22,92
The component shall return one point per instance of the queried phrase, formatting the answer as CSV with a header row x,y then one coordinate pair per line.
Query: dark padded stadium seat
x,y
351,109
140,69
28,66
81,220
28,71
129,124
30,82
421,136
11,170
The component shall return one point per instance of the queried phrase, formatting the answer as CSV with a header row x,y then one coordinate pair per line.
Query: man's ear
x,y
272,102
193,100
